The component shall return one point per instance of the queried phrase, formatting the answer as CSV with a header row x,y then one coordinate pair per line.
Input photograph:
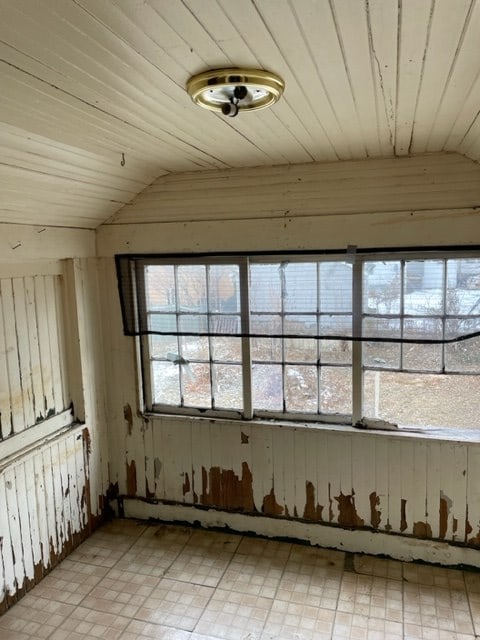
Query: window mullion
x,y
210,327
179,340
142,350
402,310
444,312
245,328
357,365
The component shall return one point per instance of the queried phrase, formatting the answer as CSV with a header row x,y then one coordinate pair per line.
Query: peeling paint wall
x,y
45,511
355,480
53,452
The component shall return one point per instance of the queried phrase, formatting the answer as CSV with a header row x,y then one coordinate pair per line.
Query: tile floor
x,y
133,580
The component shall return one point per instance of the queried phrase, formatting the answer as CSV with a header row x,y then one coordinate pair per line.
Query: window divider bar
x,y
142,346
246,351
357,346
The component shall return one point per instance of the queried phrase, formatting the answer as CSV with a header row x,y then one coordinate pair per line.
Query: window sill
x,y
442,434
21,443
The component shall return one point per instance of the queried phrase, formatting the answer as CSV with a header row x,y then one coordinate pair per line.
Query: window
x,y
332,338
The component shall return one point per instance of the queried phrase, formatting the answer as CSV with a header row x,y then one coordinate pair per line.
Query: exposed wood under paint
x,y
46,496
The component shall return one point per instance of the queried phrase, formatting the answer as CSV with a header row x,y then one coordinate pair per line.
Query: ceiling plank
x,y
444,42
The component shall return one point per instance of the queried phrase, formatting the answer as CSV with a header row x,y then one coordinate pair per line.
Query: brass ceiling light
x,y
230,91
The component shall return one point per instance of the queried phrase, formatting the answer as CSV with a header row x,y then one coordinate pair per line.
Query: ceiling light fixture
x,y
230,91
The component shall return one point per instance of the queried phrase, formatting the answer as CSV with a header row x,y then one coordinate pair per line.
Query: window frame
x,y
243,260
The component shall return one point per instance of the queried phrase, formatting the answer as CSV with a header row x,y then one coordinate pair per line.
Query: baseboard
x,y
405,548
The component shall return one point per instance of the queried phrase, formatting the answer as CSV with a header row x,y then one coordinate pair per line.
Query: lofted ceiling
x,y
93,104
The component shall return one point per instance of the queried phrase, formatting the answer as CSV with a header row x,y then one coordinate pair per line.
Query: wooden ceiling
x,y
93,105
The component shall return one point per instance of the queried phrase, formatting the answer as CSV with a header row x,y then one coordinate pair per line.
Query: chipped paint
x,y
403,519
128,415
149,494
312,511
186,484
223,488
475,540
157,468
375,514
243,438
348,516
422,530
444,512
270,505
330,504
131,478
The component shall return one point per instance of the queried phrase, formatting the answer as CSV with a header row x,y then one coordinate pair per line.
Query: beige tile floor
x,y
132,580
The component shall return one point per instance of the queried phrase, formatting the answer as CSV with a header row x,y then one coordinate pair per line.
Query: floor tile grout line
x,y
469,606
214,591
403,601
338,595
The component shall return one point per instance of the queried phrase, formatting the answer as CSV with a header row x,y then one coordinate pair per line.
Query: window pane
x,y
265,287
465,355
267,387
192,287
335,287
335,325
165,383
194,348
223,288
196,385
424,288
162,322
463,286
426,357
227,386
381,287
301,389
381,354
300,325
336,390
335,351
266,349
226,349
161,345
193,323
225,324
300,350
160,287
422,399
300,293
